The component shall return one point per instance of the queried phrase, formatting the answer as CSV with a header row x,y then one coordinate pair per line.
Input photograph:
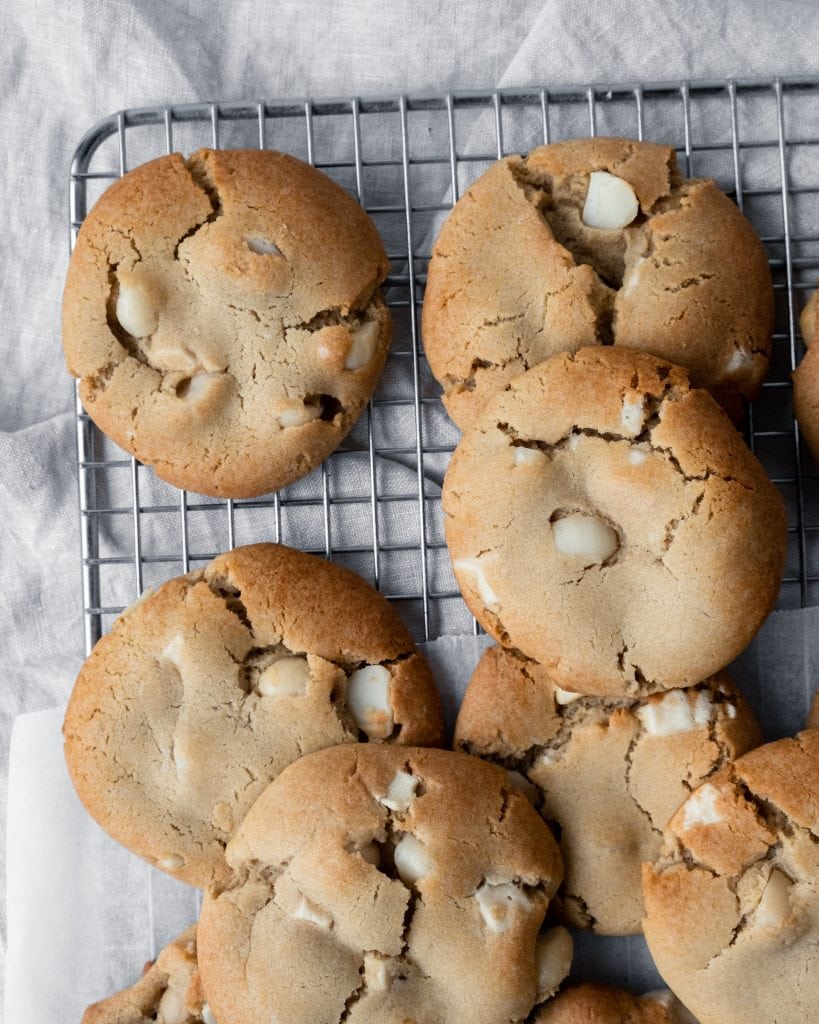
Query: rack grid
x,y
375,503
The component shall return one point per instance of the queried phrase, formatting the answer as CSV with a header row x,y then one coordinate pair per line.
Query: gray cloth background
x,y
64,66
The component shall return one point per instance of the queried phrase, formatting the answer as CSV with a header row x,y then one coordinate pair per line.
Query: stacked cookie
x,y
610,529
257,729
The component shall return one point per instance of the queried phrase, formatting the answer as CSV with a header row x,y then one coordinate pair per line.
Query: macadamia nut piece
x,y
610,202
368,699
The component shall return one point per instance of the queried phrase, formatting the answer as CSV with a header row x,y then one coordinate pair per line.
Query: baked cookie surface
x,y
205,690
595,241
223,316
732,903
608,521
374,884
169,992
607,772
806,378
601,1004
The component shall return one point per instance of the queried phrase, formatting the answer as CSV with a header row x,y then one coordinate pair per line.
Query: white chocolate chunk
x,y
411,859
676,1011
610,202
740,360
523,785
585,536
703,708
700,807
376,972
368,699
553,960
632,417
363,343
546,758
473,567
400,792
371,853
172,1008
498,903
731,710
287,677
775,906
174,356
527,456
196,386
668,714
308,911
135,311
564,697
173,652
295,412
207,1014
637,456
171,862
631,277
263,247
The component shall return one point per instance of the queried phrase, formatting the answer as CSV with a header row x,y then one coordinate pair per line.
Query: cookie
x,y
605,773
601,1004
222,314
806,379
595,241
605,518
169,992
732,903
205,690
373,884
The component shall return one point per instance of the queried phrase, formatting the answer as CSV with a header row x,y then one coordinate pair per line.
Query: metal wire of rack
x,y
375,503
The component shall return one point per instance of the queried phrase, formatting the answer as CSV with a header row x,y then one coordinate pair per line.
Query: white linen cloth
x,y
64,66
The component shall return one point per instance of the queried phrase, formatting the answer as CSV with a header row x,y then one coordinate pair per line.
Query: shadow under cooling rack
x,y
374,505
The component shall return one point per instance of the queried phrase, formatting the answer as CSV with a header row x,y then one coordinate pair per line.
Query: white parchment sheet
x,y
84,914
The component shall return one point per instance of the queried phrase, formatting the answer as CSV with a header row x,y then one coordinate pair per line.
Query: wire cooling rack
x,y
375,503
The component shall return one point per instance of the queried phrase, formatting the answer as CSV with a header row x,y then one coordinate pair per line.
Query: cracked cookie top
x,y
806,378
595,241
374,884
606,773
223,316
607,520
732,902
205,690
169,992
601,1004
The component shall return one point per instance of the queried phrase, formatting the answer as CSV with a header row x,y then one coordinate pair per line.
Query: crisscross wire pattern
x,y
375,503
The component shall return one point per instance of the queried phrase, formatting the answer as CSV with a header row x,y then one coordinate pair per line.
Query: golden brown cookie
x,y
204,691
806,379
373,885
732,903
169,992
601,1004
607,520
595,241
223,316
606,773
